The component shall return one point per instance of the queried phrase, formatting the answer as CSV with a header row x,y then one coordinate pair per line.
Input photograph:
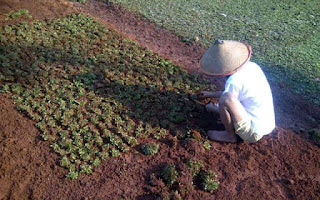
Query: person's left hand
x,y
210,107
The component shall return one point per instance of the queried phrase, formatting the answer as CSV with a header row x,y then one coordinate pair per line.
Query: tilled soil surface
x,y
280,166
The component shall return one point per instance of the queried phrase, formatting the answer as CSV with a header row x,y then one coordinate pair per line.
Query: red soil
x,y
39,10
281,166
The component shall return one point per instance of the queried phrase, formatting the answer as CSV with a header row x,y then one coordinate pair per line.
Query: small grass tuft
x,y
209,181
194,166
207,145
314,134
169,174
150,149
19,13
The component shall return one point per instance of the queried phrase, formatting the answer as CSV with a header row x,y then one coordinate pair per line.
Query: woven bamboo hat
x,y
225,57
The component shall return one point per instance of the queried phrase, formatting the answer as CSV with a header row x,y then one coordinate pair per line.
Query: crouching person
x,y
246,105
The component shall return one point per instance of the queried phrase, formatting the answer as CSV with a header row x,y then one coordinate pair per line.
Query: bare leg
x,y
231,111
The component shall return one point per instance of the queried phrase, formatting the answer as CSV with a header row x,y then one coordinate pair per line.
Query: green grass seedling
x,y
209,181
19,13
150,149
169,174
194,166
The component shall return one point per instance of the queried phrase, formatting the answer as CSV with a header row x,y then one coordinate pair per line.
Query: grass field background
x,y
284,34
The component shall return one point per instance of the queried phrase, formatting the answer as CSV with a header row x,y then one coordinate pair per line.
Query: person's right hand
x,y
204,94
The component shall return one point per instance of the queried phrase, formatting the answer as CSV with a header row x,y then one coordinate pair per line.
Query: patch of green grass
x,y
194,166
285,35
314,134
169,174
19,13
209,181
207,144
150,149
92,93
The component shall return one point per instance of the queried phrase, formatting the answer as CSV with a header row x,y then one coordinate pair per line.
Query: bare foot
x,y
222,136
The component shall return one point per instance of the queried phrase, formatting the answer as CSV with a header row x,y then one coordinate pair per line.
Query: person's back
x,y
252,89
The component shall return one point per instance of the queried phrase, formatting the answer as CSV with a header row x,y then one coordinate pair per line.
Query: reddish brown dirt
x,y
280,166
38,9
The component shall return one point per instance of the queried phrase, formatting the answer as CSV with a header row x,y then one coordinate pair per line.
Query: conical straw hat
x,y
225,57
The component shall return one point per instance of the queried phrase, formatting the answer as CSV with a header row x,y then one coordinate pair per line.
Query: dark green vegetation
x,y
92,93
169,174
209,181
314,134
194,166
150,149
285,35
19,13
182,177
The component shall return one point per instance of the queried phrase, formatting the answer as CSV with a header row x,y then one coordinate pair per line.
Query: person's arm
x,y
205,94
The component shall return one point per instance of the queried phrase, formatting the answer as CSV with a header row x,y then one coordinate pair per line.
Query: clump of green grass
x,y
169,174
209,181
314,134
72,175
92,93
19,13
194,166
207,145
150,149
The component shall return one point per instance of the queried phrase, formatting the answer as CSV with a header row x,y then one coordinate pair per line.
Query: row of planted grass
x,y
92,93
285,35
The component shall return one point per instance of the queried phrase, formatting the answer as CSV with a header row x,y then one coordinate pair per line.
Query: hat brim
x,y
233,71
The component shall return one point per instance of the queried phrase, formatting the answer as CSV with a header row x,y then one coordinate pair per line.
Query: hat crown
x,y
224,57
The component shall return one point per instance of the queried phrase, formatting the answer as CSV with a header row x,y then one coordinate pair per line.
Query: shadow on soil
x,y
170,109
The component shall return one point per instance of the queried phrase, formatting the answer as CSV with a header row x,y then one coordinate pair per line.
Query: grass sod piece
x,y
289,57
169,174
209,181
92,93
72,175
150,149
194,166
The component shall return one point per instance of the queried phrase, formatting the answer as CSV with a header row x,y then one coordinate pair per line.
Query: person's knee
x,y
226,99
